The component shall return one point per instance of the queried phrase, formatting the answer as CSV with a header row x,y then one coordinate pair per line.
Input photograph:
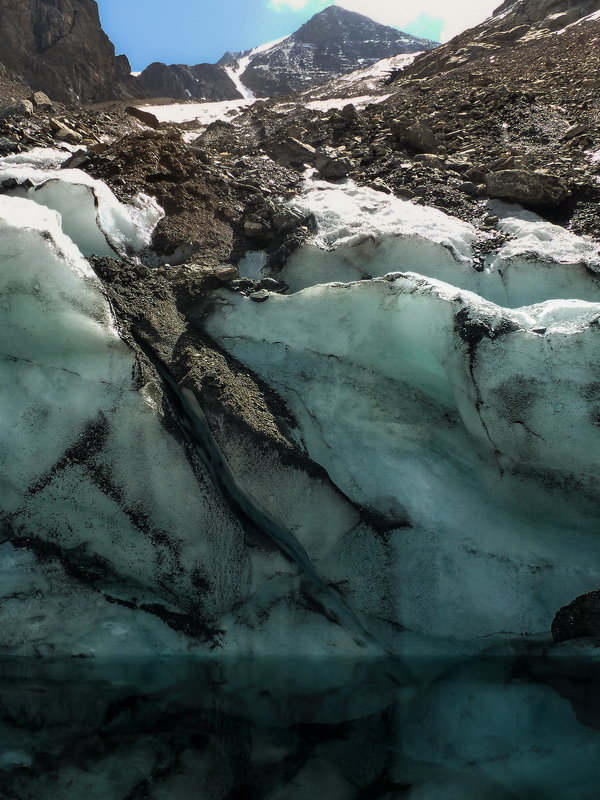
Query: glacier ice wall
x,y
91,214
471,428
439,479
113,502
363,233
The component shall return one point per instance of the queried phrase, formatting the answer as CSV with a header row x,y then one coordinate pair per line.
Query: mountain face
x,y
333,42
330,44
59,47
201,82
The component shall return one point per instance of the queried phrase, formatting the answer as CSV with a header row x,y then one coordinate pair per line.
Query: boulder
x,y
332,167
530,188
145,117
21,108
574,131
260,296
417,135
41,100
258,228
62,131
285,220
578,620
292,152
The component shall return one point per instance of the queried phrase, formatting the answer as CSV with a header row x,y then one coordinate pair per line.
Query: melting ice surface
x,y
386,634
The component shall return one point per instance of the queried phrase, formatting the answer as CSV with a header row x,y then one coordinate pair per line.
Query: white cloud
x,y
458,15
284,5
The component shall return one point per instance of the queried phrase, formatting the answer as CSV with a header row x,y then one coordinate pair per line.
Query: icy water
x,y
424,729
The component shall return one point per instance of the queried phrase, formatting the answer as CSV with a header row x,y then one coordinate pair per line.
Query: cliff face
x,y
59,47
200,82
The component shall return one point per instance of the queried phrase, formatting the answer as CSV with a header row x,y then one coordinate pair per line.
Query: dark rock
x,y
272,285
419,137
258,228
7,146
285,220
59,47
260,296
468,187
77,160
574,131
578,620
226,273
143,116
181,82
41,100
21,108
241,284
531,188
292,152
332,167
63,132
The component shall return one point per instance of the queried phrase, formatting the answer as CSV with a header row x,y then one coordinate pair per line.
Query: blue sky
x,y
191,31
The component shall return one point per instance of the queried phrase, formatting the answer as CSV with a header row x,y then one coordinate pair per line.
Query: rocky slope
x,y
59,47
333,42
514,22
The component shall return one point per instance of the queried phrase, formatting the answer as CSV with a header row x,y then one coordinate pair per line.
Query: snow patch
x,y
203,113
340,102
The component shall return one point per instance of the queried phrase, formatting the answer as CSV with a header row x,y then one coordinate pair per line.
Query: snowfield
x,y
203,113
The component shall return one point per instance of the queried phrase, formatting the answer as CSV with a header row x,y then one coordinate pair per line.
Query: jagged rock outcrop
x,y
200,82
59,47
333,42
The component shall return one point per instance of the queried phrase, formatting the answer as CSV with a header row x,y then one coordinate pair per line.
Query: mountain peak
x,y
333,42
335,22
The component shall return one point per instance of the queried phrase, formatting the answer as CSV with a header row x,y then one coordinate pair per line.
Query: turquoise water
x,y
424,729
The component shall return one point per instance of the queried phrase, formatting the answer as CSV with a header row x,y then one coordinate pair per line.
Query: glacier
x,y
400,453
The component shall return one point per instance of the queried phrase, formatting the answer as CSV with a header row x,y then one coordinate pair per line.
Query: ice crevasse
x,y
450,404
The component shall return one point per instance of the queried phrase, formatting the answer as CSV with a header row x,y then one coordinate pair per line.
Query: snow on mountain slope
x,y
333,42
368,81
236,66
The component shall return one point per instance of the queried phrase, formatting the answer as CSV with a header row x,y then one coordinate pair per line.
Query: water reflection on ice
x,y
417,728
